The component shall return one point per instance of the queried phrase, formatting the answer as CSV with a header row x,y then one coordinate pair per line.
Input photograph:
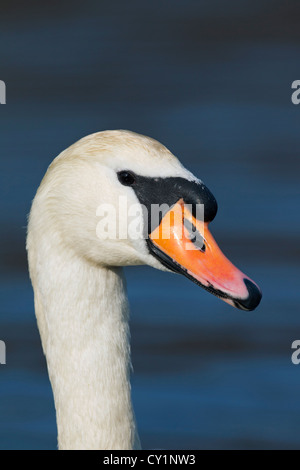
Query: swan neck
x,y
83,320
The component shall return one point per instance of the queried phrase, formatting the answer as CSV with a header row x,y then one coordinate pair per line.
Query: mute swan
x,y
79,291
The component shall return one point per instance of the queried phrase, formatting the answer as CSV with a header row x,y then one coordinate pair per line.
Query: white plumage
x,y
80,297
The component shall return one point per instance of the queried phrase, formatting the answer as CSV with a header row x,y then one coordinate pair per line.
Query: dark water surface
x,y
213,83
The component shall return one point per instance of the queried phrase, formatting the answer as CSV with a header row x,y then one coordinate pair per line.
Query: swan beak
x,y
185,245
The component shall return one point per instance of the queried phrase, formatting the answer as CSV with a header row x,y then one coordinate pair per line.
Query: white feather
x,y
80,298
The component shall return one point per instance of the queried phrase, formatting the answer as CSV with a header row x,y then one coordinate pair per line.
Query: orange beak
x,y
184,244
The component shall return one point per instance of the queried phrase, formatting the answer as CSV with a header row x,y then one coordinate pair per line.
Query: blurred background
x,y
212,81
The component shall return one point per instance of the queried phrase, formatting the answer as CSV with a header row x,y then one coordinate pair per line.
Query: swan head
x,y
116,198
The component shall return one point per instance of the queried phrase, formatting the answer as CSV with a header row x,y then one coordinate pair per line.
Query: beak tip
x,y
253,299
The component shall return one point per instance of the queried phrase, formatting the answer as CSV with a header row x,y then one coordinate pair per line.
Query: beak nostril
x,y
195,236
199,243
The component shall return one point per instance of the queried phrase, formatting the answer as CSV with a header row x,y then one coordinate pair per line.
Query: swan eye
x,y
126,178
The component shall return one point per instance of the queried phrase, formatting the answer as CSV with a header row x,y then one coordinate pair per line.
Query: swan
x,y
76,272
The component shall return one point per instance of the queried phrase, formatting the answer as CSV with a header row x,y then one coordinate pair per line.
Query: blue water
x,y
213,84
